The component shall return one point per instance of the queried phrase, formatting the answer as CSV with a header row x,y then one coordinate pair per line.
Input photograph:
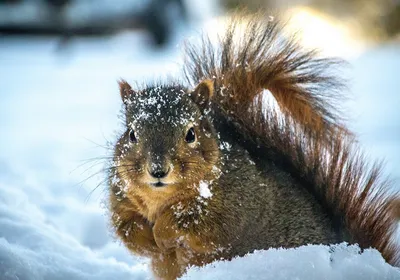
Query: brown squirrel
x,y
213,173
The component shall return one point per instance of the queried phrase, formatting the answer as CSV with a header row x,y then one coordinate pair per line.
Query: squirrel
x,y
207,169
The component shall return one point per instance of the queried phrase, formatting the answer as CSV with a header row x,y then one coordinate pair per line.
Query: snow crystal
x,y
178,209
225,145
204,190
126,185
216,171
115,180
221,90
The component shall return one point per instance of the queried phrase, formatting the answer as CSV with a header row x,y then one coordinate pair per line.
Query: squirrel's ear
x,y
203,93
125,90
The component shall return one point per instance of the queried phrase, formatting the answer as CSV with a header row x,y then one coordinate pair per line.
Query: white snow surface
x,y
32,248
57,109
312,262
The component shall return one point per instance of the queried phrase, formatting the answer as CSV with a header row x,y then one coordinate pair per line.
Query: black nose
x,y
158,166
159,173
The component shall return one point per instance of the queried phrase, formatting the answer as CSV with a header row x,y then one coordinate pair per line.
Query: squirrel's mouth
x,y
158,184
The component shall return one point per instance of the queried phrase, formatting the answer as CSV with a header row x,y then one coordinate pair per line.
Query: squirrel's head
x,y
169,142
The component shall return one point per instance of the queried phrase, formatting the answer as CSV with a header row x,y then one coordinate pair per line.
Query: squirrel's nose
x,y
158,172
158,167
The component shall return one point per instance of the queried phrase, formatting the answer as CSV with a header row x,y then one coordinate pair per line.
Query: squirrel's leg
x,y
134,230
166,266
193,243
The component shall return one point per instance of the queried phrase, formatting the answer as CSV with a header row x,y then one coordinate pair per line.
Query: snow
x,y
57,109
312,262
204,190
31,248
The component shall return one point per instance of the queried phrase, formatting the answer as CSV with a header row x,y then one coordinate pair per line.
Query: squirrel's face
x,y
168,141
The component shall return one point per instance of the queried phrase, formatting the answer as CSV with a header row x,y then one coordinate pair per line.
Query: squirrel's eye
x,y
190,135
132,136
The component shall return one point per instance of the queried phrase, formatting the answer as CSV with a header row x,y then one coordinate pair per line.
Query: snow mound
x,y
33,249
312,262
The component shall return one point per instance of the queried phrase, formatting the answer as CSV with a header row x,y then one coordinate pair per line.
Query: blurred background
x,y
59,104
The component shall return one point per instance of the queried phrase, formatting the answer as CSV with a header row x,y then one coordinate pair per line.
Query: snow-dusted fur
x,y
208,173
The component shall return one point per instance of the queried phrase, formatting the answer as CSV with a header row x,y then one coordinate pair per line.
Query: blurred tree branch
x,y
153,18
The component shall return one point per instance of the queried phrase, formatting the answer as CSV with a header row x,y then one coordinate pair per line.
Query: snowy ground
x,y
313,262
58,107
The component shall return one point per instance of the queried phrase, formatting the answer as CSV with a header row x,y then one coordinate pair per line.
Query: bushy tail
x,y
254,55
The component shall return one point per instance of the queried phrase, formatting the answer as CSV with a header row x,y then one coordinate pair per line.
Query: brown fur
x,y
305,86
275,180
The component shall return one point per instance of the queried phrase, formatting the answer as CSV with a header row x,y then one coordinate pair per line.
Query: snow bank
x,y
336,262
32,249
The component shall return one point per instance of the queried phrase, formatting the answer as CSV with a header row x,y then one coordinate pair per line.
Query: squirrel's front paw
x,y
166,234
139,238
